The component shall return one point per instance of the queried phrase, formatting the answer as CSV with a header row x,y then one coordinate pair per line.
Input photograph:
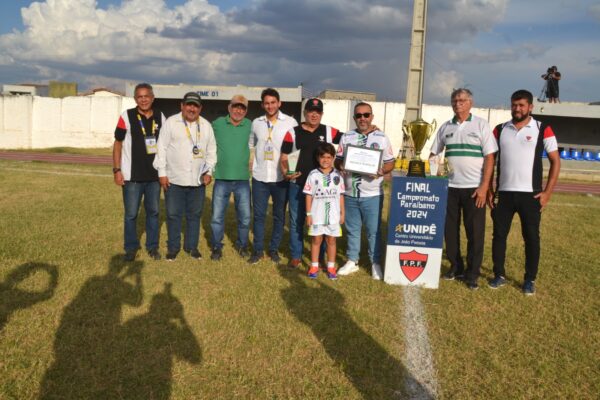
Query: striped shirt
x,y
466,144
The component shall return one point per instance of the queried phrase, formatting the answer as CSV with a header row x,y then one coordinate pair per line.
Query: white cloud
x,y
441,85
349,44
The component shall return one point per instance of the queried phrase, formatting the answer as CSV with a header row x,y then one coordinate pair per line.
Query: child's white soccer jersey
x,y
325,190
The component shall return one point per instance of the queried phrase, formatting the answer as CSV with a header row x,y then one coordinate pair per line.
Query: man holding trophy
x,y
470,148
364,156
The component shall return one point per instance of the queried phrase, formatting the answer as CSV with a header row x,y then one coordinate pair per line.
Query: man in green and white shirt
x,y
470,148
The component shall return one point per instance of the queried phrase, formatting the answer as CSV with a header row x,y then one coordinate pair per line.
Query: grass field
x,y
75,322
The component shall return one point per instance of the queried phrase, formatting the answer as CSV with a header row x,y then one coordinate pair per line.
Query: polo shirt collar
x,y
280,117
532,122
469,118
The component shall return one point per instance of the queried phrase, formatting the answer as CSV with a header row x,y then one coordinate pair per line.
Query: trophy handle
x,y
434,126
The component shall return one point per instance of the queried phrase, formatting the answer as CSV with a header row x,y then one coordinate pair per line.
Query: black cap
x,y
192,97
313,104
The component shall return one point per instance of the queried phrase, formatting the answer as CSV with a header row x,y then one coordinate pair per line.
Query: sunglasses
x,y
363,115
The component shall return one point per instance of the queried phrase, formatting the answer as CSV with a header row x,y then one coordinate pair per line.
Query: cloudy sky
x,y
492,47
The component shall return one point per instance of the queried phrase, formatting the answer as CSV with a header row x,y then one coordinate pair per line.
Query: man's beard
x,y
521,119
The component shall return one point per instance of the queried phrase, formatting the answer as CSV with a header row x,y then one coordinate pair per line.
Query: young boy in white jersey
x,y
324,190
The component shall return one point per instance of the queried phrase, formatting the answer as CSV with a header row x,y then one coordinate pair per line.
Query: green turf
x,y
77,323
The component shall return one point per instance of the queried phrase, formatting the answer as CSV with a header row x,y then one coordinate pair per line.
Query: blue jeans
x,y
261,192
220,200
367,211
180,201
132,197
297,209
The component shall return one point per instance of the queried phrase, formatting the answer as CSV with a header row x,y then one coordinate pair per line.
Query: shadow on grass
x,y
12,298
372,370
96,356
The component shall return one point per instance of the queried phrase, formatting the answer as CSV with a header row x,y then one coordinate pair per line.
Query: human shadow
x,y
13,298
86,342
374,372
150,343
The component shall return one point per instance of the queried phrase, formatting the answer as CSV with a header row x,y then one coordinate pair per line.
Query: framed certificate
x,y
362,160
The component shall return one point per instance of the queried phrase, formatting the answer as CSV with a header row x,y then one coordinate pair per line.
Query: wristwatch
x,y
115,170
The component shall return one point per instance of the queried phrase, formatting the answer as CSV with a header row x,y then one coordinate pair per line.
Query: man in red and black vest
x,y
133,153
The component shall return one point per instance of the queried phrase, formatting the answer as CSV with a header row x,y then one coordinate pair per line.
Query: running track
x,y
591,188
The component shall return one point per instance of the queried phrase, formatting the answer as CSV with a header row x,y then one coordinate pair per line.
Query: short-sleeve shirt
x,y
307,142
325,190
466,145
520,166
359,185
233,153
136,164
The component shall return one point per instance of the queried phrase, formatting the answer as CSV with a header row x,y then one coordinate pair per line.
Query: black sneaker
x,y
216,254
529,288
451,275
154,254
242,251
472,285
194,253
255,258
129,255
497,282
171,255
274,257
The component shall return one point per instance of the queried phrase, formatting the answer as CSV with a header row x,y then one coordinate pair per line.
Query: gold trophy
x,y
419,131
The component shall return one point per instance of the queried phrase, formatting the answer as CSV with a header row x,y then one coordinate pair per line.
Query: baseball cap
x,y
239,99
313,104
192,97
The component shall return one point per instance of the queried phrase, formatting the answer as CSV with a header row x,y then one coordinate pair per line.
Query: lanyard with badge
x,y
196,151
269,152
150,141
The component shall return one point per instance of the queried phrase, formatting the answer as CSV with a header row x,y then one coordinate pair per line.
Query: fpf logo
x,y
413,264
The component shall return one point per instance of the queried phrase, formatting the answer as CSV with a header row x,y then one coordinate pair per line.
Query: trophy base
x,y
416,168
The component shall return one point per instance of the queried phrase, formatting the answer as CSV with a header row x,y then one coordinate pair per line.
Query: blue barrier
x,y
564,154
575,154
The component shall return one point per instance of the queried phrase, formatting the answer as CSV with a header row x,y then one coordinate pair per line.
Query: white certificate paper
x,y
362,160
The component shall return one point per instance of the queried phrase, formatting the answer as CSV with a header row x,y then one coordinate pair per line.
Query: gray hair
x,y
458,91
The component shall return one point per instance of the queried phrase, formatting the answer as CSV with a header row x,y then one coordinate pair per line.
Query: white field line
x,y
421,380
54,172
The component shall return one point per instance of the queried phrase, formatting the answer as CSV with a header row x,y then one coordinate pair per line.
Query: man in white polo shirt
x,y
266,138
363,198
521,143
470,148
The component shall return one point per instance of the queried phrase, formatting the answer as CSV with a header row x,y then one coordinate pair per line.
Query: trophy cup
x,y
419,131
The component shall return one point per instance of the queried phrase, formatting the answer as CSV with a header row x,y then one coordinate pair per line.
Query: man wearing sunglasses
x,y
232,175
364,194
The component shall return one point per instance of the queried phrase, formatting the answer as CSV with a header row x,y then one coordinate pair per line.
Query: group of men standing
x,y
182,155
472,150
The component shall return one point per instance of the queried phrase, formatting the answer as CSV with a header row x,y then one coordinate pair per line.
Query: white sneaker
x,y
349,268
376,272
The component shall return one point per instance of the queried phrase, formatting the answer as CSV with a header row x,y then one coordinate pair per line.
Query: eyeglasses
x,y
363,115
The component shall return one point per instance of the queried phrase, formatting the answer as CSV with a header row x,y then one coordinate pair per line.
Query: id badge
x,y
151,147
269,151
197,152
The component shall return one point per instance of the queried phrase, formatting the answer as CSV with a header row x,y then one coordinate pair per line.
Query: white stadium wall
x,y
34,122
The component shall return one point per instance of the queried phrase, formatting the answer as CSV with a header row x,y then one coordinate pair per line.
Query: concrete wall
x,y
32,122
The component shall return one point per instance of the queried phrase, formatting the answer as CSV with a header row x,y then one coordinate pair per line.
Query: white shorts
x,y
334,230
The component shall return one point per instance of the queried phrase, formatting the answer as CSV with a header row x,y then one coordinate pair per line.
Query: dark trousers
x,y
261,191
460,203
529,210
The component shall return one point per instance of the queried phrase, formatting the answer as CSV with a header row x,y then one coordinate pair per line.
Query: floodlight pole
x,y
416,62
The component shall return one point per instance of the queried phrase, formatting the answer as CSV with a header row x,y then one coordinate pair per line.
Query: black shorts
x,y
552,89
